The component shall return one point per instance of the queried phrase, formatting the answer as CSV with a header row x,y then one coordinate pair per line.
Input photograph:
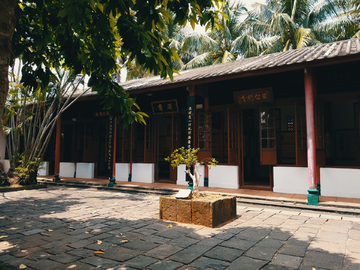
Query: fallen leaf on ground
x,y
98,252
6,243
294,202
74,209
86,232
36,205
50,230
3,236
124,241
22,266
98,242
52,212
169,226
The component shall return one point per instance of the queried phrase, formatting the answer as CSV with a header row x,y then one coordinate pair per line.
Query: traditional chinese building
x,y
283,122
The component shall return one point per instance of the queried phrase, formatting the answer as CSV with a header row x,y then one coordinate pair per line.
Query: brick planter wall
x,y
199,212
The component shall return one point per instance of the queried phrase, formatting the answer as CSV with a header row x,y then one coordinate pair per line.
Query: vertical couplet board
x,y
190,125
110,151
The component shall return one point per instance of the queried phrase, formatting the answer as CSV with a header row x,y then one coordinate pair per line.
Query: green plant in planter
x,y
190,159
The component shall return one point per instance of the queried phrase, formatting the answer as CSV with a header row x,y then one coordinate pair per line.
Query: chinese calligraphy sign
x,y
254,96
165,106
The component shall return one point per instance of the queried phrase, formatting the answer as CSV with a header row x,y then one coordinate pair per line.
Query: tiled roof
x,y
309,55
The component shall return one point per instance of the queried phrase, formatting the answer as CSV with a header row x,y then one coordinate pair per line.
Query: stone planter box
x,y
198,212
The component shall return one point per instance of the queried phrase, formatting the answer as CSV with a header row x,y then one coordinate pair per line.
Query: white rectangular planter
x,y
84,170
224,176
122,171
291,180
44,169
340,182
143,172
67,169
6,164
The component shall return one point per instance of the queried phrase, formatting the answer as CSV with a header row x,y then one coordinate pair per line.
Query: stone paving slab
x,y
70,228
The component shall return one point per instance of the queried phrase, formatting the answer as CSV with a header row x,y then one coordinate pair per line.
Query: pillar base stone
x,y
111,182
313,197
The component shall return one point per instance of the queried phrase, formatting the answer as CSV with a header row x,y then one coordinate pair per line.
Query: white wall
x,y
291,180
67,169
143,172
84,170
44,168
6,164
122,171
224,176
340,182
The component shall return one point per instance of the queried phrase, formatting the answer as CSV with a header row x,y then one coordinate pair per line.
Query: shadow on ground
x,y
64,228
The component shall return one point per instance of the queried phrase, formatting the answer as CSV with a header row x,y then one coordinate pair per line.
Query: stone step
x,y
137,189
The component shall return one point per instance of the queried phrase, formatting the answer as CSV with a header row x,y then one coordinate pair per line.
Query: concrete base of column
x,y
313,197
191,186
111,182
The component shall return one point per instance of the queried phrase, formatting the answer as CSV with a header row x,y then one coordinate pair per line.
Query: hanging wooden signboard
x,y
165,106
258,96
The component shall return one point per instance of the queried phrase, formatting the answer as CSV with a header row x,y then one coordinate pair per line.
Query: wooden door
x,y
268,153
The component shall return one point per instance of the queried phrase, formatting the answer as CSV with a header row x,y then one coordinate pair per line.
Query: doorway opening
x,y
254,174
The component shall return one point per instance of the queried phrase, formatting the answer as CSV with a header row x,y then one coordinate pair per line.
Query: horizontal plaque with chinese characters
x,y
254,97
165,106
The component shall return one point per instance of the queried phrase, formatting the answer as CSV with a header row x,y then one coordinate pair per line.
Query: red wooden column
x,y
57,145
313,198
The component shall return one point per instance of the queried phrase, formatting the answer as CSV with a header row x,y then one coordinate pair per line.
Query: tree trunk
x,y
7,26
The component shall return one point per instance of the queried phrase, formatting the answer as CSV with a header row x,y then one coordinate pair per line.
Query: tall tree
x,y
292,23
219,46
89,36
345,25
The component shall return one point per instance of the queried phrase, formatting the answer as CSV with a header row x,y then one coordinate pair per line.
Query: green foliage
x,y
90,36
4,180
27,170
189,158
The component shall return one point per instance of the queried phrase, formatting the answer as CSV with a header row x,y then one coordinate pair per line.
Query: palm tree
x,y
293,24
346,25
220,46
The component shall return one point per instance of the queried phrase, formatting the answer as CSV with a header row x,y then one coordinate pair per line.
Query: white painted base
x,y
44,168
340,182
122,171
67,169
143,172
6,164
84,170
224,176
181,178
291,180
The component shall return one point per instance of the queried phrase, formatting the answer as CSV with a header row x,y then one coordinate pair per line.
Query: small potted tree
x,y
201,208
190,159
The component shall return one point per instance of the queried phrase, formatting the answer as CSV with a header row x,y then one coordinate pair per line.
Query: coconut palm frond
x,y
199,61
199,43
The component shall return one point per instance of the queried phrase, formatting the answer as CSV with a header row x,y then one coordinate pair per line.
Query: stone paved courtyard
x,y
67,228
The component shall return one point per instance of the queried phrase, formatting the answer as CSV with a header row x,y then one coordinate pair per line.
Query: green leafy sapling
x,y
190,159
